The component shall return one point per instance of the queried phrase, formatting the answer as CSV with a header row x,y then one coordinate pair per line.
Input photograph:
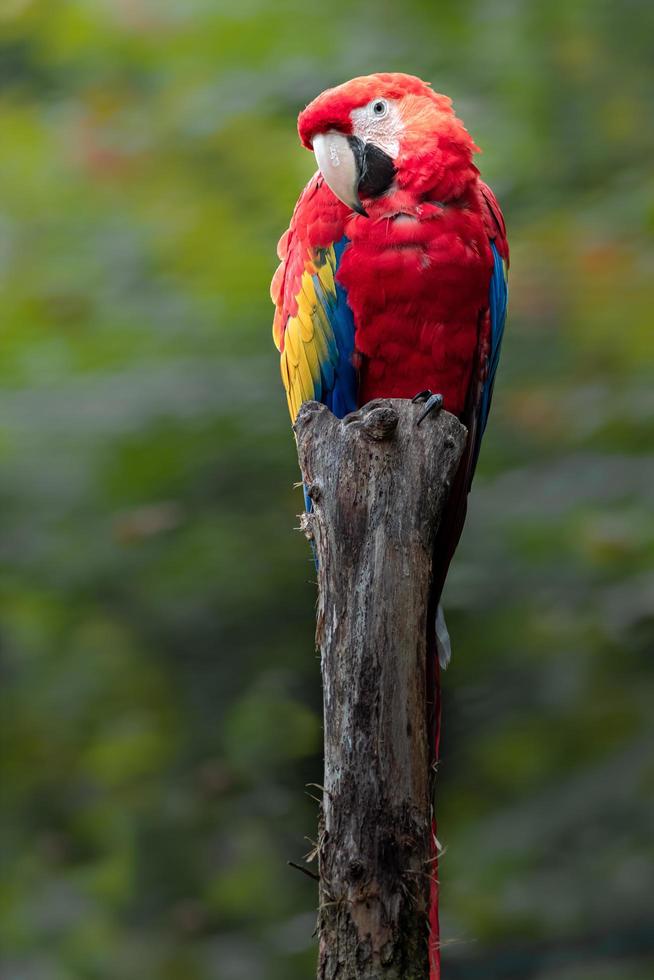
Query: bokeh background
x,y
160,693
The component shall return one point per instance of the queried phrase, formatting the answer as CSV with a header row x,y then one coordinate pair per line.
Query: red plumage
x,y
427,269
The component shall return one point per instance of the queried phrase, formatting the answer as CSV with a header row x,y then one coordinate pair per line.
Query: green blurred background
x,y
160,692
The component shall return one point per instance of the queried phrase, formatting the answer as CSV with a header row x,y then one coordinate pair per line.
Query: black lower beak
x,y
376,169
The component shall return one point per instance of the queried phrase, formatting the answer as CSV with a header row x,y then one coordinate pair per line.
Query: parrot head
x,y
387,131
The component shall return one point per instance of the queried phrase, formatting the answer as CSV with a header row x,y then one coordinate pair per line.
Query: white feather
x,y
442,639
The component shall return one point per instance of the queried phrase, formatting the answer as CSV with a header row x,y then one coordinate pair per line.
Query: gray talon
x,y
433,403
421,396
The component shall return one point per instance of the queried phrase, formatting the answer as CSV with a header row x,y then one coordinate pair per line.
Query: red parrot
x,y
392,280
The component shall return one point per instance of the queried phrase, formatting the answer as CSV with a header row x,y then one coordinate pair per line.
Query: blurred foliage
x,y
160,695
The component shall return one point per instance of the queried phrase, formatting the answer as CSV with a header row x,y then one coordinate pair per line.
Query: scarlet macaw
x,y
392,279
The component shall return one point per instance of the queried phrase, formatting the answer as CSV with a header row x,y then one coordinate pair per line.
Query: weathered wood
x,y
378,483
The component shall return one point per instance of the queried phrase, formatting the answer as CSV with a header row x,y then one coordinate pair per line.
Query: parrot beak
x,y
340,161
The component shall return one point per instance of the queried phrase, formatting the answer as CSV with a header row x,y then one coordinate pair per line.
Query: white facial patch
x,y
384,131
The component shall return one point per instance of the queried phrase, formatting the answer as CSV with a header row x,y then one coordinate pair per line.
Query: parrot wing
x,y
313,326
498,297
491,331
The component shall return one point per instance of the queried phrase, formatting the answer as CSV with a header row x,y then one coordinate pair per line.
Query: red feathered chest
x,y
417,280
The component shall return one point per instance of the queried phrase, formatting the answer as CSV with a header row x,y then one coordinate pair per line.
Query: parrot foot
x,y
433,403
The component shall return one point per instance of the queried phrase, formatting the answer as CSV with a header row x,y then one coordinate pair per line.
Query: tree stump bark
x,y
378,485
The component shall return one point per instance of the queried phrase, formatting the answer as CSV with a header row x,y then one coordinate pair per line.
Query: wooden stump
x,y
378,485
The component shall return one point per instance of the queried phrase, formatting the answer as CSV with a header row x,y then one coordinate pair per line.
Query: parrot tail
x,y
434,718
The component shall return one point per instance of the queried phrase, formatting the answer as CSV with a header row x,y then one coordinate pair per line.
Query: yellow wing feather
x,y
307,336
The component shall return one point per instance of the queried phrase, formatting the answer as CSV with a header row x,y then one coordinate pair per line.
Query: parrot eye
x,y
379,108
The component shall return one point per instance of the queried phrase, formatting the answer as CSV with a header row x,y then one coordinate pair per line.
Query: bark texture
x,y
378,485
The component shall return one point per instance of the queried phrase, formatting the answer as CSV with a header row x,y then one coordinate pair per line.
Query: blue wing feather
x,y
497,304
498,300
340,388
339,382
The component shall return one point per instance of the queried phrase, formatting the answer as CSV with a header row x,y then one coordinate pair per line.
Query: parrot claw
x,y
433,403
